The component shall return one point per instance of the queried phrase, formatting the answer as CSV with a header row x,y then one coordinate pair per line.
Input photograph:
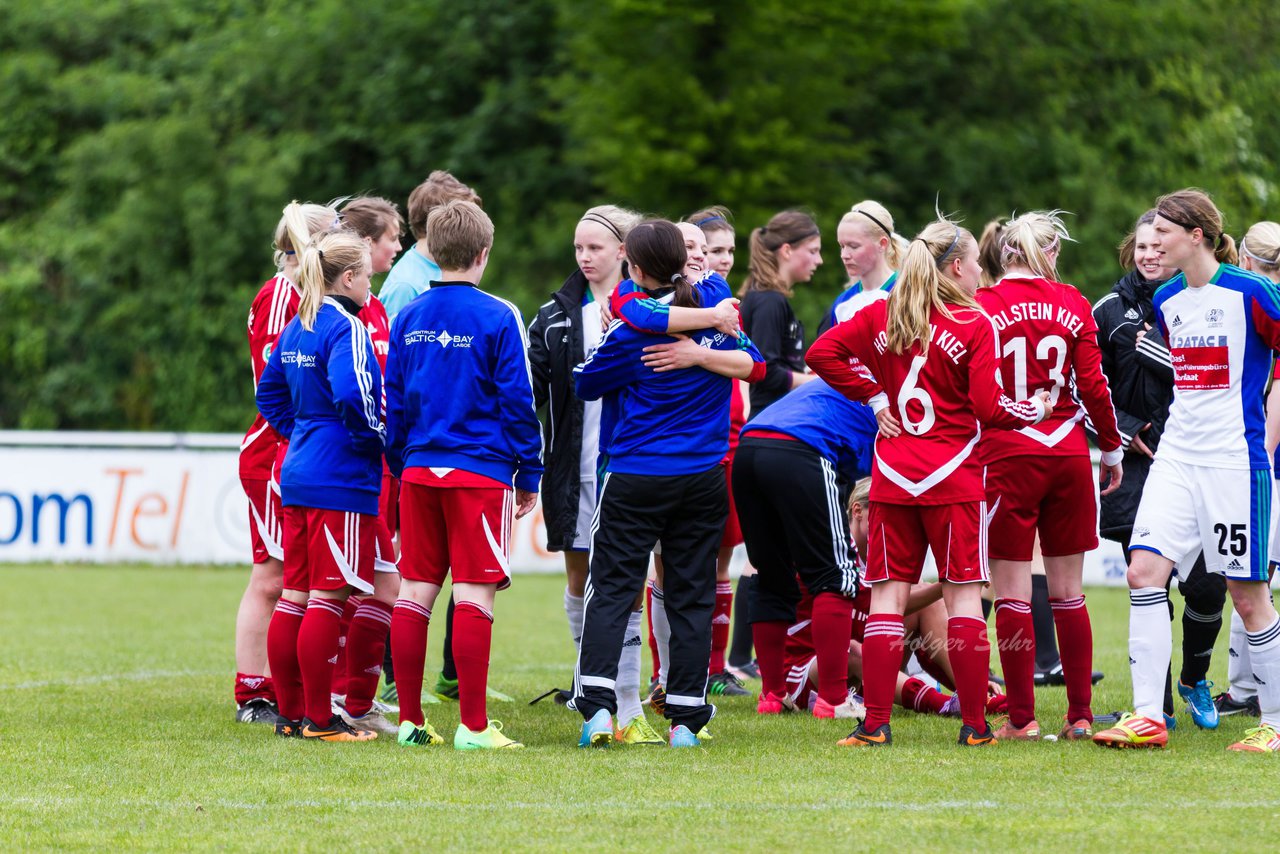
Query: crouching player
x,y
321,391
457,451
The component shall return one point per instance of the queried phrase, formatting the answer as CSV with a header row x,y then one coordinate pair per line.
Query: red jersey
x,y
1049,342
941,398
737,418
272,309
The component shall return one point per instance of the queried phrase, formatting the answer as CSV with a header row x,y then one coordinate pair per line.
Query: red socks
x,y
970,654
282,654
653,641
366,642
1016,634
250,686
339,683
409,622
832,626
317,652
720,624
882,649
770,639
1075,646
919,697
472,635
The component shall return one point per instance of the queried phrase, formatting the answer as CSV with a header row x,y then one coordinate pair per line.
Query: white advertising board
x,y
176,498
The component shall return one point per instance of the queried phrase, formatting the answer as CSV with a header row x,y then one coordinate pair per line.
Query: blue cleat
x,y
681,736
1200,704
1170,722
597,732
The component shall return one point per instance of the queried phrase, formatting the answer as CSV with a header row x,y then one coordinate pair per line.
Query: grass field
x,y
116,731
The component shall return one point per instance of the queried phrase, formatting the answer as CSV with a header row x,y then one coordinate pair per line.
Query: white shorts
x,y
1275,543
1227,512
586,512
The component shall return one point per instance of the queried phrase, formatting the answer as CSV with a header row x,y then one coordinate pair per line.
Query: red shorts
x,y
460,531
861,610
328,549
389,502
900,534
266,523
732,529
1055,495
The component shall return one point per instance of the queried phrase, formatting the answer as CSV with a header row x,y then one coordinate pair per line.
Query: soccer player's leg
x,y
254,692
286,621
424,562
1205,594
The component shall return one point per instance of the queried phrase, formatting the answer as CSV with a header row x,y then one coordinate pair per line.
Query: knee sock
x,y
365,642
661,633
1016,637
573,609
1150,648
626,688
831,628
1199,634
388,665
1239,667
770,641
881,658
1264,653
338,684
1042,616
474,627
740,645
282,654
448,667
409,623
1075,639
653,639
970,654
251,686
919,697
317,652
721,620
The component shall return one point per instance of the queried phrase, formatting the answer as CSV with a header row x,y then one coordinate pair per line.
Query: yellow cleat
x,y
1260,739
1134,731
489,738
637,732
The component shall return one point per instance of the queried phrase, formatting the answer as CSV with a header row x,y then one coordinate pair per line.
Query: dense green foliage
x,y
147,147
115,692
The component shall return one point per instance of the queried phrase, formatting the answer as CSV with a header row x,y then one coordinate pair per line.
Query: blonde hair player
x,y
871,252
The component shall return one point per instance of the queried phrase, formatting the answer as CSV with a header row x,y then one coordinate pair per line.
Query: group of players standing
x,y
654,457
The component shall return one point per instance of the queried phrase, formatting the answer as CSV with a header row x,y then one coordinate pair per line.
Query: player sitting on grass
x,y
461,427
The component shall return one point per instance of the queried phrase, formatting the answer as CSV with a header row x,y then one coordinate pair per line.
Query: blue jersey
x,y
841,430
1221,337
674,422
460,390
321,390
834,315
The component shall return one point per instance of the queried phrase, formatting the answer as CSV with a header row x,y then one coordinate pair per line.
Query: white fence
x,y
176,498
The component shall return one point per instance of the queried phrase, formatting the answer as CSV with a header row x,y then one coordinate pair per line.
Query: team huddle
x,y
945,409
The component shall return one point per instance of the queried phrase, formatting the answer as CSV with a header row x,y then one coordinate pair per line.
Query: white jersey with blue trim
x,y
1221,337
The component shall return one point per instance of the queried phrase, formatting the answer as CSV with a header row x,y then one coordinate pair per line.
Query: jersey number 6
x,y
909,392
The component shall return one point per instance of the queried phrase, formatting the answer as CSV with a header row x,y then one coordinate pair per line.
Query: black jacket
x,y
1140,374
772,325
555,348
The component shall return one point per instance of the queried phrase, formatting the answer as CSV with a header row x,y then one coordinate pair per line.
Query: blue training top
x,y
841,430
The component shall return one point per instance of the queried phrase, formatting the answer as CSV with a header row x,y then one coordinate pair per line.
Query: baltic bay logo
x,y
294,357
444,338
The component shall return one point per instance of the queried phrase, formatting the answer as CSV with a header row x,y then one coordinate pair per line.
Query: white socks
x,y
574,607
627,688
661,633
1264,656
1239,668
1150,649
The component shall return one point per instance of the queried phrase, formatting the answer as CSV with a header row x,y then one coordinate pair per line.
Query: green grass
x,y
116,731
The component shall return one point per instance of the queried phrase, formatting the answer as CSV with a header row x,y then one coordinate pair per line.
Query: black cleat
x,y
970,737
286,728
879,737
1228,705
725,684
259,711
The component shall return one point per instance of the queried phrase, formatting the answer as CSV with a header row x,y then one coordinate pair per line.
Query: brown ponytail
x,y
788,227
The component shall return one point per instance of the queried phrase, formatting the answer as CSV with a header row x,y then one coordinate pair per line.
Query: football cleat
x,y
1134,731
335,730
951,708
1007,731
878,737
286,728
750,670
385,708
637,732
1228,705
657,700
725,684
1076,730
389,692
970,737
370,720
774,704
258,711
597,731
1204,713
489,738
412,735
851,709
681,736
446,689
1260,739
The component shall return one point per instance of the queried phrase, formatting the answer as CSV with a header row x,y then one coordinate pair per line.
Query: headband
x,y
716,218
676,277
1271,261
1006,249
1188,226
876,221
596,218
954,241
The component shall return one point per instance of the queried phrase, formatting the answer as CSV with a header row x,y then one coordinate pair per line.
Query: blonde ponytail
x,y
321,264
1261,243
922,286
297,223
1028,241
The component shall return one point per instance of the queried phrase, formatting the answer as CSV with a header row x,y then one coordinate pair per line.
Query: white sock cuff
x,y
1148,596
1266,637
